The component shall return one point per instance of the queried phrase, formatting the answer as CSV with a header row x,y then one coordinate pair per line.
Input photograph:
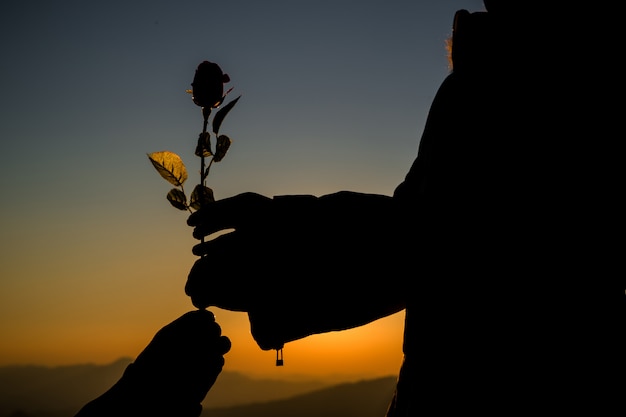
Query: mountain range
x,y
40,391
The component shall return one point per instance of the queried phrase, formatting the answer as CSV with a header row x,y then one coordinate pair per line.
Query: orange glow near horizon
x,y
369,351
91,311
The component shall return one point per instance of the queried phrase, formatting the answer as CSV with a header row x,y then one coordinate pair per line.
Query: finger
x,y
220,282
196,318
220,246
211,227
230,212
210,220
197,217
210,338
223,345
215,211
219,210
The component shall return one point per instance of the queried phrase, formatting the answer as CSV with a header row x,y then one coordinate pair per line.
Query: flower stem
x,y
206,112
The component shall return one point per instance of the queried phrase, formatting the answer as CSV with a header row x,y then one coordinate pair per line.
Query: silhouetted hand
x,y
244,212
300,264
172,375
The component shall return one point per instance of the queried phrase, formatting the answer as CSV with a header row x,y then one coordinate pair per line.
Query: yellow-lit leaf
x,y
170,166
177,198
201,196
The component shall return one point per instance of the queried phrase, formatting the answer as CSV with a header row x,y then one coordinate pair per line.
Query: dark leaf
x,y
223,143
177,198
204,145
170,166
221,114
201,196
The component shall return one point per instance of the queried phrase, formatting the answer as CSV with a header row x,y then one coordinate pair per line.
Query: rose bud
x,y
208,85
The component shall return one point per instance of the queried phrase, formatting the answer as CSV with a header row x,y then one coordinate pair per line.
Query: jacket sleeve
x,y
342,267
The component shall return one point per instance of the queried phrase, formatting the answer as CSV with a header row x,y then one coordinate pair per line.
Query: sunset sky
x,y
93,259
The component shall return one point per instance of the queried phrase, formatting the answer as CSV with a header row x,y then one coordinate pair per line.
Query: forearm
x,y
136,395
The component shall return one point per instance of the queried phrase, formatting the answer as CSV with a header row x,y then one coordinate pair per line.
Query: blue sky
x,y
334,97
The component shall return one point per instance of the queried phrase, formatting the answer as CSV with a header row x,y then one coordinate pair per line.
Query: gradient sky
x,y
93,259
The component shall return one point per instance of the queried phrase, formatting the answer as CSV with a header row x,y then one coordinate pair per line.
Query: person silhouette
x,y
460,246
441,247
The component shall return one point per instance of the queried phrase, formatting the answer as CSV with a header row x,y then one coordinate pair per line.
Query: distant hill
x,y
33,388
368,398
39,391
233,388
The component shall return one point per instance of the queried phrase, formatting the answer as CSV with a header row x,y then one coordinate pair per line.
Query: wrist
x,y
136,394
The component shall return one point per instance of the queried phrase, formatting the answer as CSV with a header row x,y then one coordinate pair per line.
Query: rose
x,y
208,85
208,93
